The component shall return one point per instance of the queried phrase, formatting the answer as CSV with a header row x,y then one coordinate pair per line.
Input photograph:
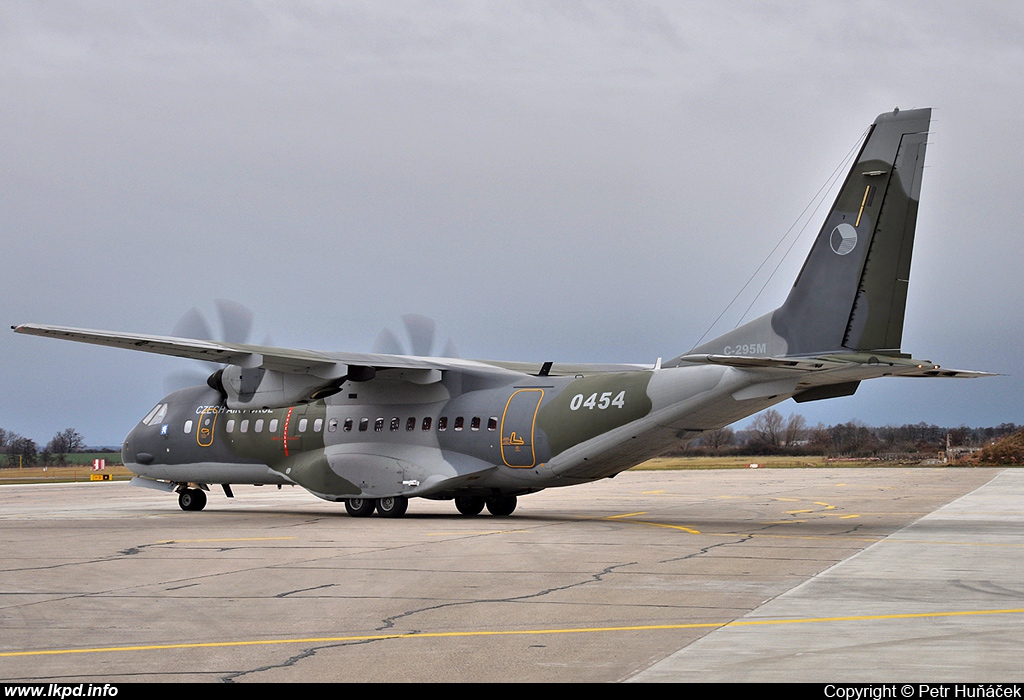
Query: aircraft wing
x,y
271,358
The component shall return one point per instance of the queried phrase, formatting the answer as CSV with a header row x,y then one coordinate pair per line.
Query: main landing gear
x,y
192,499
395,506
389,507
496,505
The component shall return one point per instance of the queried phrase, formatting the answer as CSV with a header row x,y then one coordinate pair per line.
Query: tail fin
x,y
851,293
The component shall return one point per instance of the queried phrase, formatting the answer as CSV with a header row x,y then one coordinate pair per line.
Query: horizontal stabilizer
x,y
895,366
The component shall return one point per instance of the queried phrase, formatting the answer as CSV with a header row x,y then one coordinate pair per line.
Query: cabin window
x,y
474,424
458,423
395,422
364,423
188,427
259,426
244,427
333,425
348,425
426,423
378,425
273,425
492,423
303,423
410,424
442,423
230,426
318,425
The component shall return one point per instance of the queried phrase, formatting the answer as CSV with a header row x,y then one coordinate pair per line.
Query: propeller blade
x,y
387,344
183,379
421,333
235,320
192,325
449,349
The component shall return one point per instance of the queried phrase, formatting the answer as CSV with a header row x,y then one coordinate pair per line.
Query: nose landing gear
x,y
192,499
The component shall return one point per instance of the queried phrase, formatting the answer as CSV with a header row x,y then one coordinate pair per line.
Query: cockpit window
x,y
156,415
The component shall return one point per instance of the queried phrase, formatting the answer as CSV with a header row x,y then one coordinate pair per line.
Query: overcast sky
x,y
569,181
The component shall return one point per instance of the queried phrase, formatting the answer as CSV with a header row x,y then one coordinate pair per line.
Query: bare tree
x,y
796,429
715,440
67,440
769,428
22,451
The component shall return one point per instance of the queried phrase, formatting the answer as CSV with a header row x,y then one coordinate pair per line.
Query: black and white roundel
x,y
843,239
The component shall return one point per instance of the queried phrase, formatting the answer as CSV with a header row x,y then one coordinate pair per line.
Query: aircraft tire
x,y
469,505
392,506
360,507
192,499
501,505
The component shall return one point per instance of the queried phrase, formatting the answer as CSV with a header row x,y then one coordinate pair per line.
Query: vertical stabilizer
x,y
851,293
852,290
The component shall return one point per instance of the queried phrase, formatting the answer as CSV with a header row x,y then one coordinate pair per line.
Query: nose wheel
x,y
192,499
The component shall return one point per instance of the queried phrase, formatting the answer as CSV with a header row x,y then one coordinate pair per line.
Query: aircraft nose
x,y
134,452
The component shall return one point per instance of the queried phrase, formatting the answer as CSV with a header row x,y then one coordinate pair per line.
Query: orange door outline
x,y
517,428
207,426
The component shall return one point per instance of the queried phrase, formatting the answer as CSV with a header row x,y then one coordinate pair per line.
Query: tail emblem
x,y
843,239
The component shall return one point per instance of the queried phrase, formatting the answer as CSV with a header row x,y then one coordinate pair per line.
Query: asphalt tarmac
x,y
879,574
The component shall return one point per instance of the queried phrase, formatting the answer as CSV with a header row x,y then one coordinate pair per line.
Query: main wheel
x,y
392,506
360,507
469,505
192,499
501,505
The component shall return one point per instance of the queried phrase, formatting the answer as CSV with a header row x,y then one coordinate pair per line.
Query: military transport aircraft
x,y
374,430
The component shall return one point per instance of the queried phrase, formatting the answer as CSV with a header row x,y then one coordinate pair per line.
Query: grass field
x,y
86,458
79,468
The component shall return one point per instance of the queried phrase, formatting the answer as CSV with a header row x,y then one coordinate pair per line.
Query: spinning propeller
x,y
235,326
421,332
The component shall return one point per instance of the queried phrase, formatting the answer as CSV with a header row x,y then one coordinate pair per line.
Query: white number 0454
x,y
594,401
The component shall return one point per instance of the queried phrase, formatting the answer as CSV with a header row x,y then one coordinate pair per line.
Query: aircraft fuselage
x,y
393,437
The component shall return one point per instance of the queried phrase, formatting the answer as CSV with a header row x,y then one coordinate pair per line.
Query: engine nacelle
x,y
256,387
